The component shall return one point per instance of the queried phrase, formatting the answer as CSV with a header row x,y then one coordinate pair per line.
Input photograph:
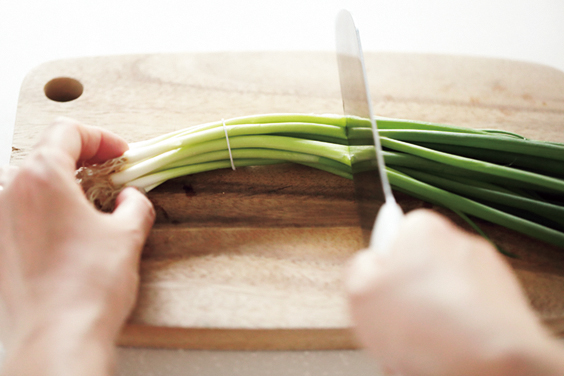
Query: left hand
x,y
64,266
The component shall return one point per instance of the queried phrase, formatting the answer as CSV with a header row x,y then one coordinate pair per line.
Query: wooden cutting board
x,y
253,258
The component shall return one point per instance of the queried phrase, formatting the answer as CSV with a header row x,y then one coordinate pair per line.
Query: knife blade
x,y
358,110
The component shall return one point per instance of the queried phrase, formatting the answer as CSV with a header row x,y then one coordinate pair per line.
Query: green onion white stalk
x,y
494,175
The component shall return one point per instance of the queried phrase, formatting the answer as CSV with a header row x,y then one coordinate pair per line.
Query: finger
x,y
370,266
364,268
133,208
81,142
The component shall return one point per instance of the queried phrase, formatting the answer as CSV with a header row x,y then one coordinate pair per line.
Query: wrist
x,y
69,314
72,342
64,304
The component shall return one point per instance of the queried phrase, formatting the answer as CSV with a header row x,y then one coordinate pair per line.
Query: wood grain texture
x,y
253,258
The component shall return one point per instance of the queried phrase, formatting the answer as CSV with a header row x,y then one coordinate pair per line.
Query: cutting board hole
x,y
63,89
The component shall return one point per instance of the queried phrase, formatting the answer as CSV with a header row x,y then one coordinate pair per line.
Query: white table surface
x,y
36,31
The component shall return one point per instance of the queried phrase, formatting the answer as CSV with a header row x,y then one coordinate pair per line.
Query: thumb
x,y
363,271
134,208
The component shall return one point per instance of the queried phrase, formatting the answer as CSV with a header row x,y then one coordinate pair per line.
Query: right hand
x,y
442,302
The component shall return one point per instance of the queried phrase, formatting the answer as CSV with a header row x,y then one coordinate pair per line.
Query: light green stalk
x,y
473,172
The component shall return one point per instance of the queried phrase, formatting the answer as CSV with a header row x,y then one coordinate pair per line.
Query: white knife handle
x,y
386,227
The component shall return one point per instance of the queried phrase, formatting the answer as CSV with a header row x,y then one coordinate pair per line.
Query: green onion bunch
x,y
494,175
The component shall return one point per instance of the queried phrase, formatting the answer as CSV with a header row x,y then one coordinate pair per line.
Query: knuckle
x,y
42,169
147,209
483,247
151,213
36,172
137,235
429,223
64,123
365,274
7,173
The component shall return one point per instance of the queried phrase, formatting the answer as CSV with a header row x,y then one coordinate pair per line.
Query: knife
x,y
358,109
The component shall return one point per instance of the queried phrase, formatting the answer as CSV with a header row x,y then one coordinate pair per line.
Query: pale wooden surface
x,y
253,259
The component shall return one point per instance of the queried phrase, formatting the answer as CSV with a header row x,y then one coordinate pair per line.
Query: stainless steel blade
x,y
372,189
354,87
